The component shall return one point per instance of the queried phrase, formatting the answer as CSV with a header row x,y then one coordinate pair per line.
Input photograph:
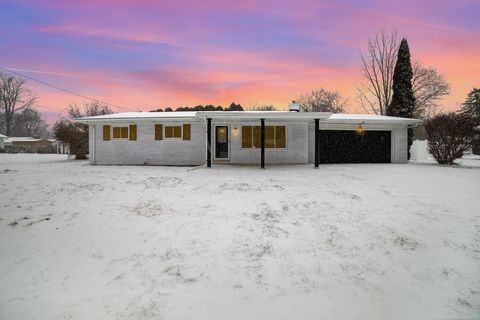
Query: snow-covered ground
x,y
289,242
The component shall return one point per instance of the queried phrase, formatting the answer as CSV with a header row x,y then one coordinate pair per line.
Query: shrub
x,y
449,136
75,134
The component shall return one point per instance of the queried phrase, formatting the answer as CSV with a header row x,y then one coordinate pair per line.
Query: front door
x,y
221,142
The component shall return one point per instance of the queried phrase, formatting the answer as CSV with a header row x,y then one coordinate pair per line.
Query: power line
x,y
48,108
66,90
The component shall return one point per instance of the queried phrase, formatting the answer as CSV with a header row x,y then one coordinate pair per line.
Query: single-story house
x,y
34,145
245,137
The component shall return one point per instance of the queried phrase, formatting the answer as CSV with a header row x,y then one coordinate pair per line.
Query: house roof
x,y
369,118
140,115
25,139
256,115
252,115
12,139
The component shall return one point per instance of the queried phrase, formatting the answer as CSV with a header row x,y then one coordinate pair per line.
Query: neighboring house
x,y
193,138
28,145
32,145
476,140
2,142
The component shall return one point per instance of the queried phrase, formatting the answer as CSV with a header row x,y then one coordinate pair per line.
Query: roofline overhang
x,y
131,119
407,121
324,117
267,115
216,115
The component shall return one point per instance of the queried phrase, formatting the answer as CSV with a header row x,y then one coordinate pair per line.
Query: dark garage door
x,y
345,146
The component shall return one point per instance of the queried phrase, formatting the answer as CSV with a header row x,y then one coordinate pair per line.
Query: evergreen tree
x,y
403,100
471,106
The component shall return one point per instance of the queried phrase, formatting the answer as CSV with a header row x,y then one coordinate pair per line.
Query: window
x,y
280,137
275,137
246,137
256,137
172,132
120,132
129,132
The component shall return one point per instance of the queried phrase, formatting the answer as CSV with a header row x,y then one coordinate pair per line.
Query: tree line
x,y
209,107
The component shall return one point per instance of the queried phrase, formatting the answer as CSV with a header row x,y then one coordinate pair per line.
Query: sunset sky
x,y
148,54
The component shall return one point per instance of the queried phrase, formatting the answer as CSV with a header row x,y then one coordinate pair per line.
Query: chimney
x,y
294,106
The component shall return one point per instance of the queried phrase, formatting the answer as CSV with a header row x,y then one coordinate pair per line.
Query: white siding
x,y
296,150
148,151
399,145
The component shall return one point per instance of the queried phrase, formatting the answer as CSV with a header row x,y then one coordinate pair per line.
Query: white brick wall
x,y
148,151
296,150
399,145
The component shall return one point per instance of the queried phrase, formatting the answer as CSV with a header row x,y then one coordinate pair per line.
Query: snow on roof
x,y
351,117
476,128
143,115
23,139
2,136
286,115
256,115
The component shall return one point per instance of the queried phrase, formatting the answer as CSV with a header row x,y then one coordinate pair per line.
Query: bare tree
x,y
378,63
14,96
429,87
322,100
89,110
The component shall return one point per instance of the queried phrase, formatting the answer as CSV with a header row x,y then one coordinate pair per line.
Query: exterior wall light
x,y
235,130
360,130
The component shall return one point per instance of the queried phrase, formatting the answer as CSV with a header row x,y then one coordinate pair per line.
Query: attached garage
x,y
346,146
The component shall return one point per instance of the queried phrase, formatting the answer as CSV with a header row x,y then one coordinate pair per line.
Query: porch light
x,y
359,130
235,130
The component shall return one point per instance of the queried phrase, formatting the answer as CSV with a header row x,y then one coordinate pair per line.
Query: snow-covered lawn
x,y
289,242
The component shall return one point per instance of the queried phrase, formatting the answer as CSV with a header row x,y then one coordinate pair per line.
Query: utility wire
x,y
66,90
